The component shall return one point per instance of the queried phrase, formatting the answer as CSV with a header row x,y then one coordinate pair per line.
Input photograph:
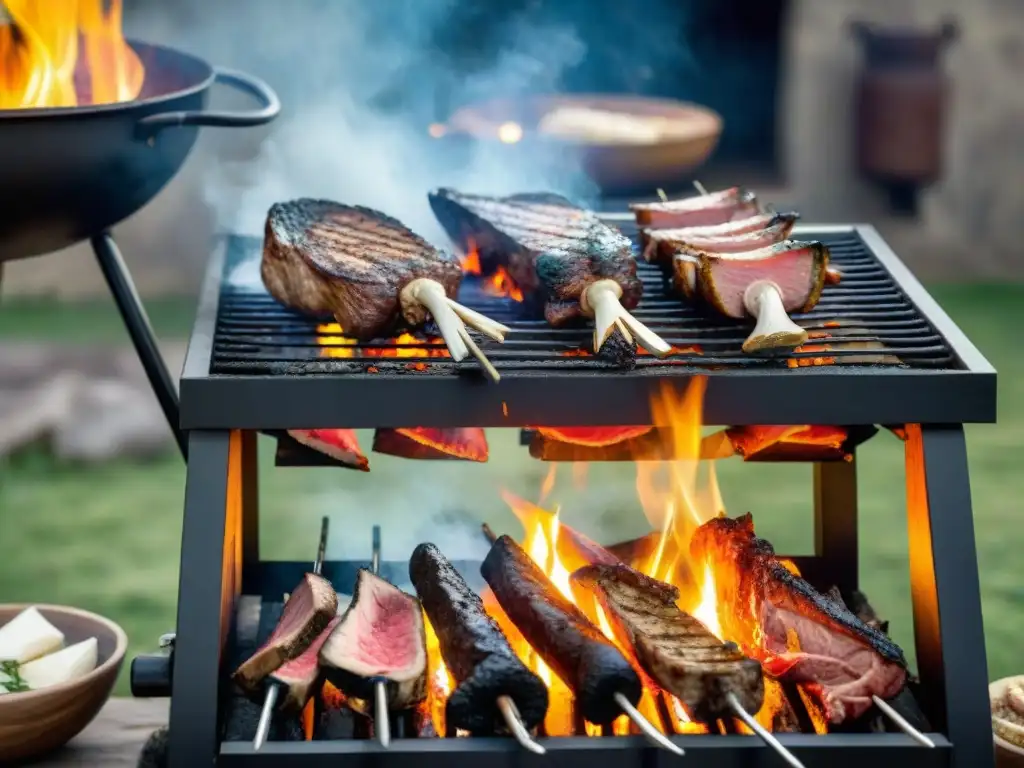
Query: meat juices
x,y
769,611
322,257
380,636
342,445
474,649
310,608
675,649
699,210
578,652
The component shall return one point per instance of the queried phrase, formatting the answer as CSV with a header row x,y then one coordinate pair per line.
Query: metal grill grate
x,y
866,320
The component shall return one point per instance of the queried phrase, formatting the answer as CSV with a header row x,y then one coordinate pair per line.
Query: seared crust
x,y
349,262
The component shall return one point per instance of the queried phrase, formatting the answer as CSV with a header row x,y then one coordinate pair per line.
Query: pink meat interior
x,y
790,270
392,641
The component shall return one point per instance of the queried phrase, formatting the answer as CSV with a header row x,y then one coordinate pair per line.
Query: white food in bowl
x,y
28,636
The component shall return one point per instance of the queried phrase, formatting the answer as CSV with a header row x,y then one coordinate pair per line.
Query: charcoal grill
x,y
253,366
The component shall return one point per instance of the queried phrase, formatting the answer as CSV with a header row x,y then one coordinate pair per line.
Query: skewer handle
x,y
321,550
901,722
600,300
774,329
514,721
430,294
266,716
757,728
482,323
382,725
653,735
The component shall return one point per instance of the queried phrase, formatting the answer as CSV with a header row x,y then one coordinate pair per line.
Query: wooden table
x,y
115,738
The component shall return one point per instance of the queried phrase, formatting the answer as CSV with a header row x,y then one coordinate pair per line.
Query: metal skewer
x,y
757,728
653,735
382,725
902,723
514,721
274,689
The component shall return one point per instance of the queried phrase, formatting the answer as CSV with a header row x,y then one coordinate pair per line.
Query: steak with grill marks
x,y
552,249
349,262
794,631
675,649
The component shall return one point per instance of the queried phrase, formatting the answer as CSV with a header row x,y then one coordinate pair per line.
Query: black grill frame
x,y
234,366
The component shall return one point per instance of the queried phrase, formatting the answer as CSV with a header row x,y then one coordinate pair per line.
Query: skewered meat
x,y
590,664
754,223
468,443
766,283
379,637
593,436
368,270
342,445
675,649
699,210
559,255
795,632
663,244
300,675
310,608
474,649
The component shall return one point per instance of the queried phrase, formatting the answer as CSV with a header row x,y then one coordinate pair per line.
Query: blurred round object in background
x,y
623,143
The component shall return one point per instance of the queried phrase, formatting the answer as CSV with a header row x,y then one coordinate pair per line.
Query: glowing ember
x,y
335,345
805,362
510,133
65,53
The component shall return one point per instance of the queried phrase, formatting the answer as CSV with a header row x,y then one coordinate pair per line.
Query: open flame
x,y
334,344
66,53
677,496
498,283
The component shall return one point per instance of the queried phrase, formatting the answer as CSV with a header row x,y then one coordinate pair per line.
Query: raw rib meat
x,y
342,445
380,636
310,608
468,443
794,631
350,262
696,211
300,675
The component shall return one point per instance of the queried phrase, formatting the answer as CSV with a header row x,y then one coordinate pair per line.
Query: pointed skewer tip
x,y
263,728
653,735
901,722
514,721
758,729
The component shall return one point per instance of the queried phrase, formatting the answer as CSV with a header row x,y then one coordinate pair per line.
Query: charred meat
x,y
342,445
322,257
300,675
312,605
578,652
552,249
379,637
675,649
475,650
697,211
794,631
467,443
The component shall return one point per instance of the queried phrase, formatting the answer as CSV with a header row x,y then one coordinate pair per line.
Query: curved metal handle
x,y
255,87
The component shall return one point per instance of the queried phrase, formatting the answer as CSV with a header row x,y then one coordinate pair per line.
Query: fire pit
x,y
886,355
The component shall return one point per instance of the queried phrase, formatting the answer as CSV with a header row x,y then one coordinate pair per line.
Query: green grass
x,y
106,538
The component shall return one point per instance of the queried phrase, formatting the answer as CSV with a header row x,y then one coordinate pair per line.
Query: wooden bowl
x,y
34,723
1008,754
689,134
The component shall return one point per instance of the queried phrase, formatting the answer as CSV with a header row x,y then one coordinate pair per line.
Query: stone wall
x,y
971,222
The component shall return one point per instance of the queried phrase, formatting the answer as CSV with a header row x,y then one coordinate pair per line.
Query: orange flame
x,y
63,53
498,283
334,344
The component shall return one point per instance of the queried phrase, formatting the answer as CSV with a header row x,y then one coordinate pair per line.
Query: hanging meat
x,y
370,272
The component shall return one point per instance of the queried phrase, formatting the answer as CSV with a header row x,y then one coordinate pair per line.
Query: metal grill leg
x,y
204,587
948,631
835,521
250,497
136,321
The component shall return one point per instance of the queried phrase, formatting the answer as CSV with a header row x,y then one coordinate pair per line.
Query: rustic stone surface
x,y
86,404
115,737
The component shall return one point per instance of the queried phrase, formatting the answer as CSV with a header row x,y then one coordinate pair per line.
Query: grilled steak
x,y
322,257
590,664
797,269
379,637
474,649
675,649
468,443
312,605
794,631
342,445
593,436
663,244
697,211
552,249
300,675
